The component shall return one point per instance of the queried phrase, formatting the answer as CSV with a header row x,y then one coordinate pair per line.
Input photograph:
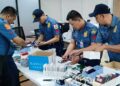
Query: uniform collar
x,y
47,20
5,21
114,21
2,19
84,27
113,24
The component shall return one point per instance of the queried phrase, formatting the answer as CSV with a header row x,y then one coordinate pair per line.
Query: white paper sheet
x,y
91,55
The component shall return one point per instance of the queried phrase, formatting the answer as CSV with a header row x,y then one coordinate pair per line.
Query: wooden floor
x,y
27,83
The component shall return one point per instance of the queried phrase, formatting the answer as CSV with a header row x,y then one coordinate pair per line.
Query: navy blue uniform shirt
x,y
9,34
49,29
110,35
84,37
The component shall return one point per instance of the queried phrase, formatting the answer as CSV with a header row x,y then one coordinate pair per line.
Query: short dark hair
x,y
73,14
9,10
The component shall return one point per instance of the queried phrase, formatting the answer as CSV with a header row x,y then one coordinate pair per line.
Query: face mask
x,y
12,25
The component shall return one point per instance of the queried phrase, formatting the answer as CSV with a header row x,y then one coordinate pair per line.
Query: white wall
x,y
26,8
58,9
52,8
4,3
68,5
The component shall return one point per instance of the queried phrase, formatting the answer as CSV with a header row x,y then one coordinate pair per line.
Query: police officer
x,y
9,75
83,35
109,32
49,32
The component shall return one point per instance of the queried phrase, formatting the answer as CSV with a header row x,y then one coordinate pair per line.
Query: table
x,y
36,76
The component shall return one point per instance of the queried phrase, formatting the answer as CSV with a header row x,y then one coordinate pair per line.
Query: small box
x,y
113,82
38,59
106,70
113,65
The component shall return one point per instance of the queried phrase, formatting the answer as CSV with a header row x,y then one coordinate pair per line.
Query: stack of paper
x,y
91,55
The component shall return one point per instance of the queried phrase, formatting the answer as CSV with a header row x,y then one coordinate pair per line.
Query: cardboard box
x,y
39,58
110,68
113,82
113,65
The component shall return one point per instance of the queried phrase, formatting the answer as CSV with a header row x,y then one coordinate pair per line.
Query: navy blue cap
x,y
100,9
37,13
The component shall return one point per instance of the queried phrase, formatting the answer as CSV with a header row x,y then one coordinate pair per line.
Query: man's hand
x,y
28,42
76,58
37,43
19,41
75,52
65,57
42,43
101,48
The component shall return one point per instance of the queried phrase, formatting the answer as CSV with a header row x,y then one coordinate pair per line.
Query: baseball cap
x,y
37,13
100,9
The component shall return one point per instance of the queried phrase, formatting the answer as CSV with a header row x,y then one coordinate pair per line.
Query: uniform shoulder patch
x,y
1,23
55,26
93,31
48,25
33,16
115,29
7,26
85,34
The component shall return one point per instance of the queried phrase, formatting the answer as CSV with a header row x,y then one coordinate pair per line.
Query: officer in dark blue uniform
x,y
109,32
9,75
49,32
83,35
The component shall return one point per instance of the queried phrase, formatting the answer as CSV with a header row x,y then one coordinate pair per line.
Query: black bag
x,y
88,62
